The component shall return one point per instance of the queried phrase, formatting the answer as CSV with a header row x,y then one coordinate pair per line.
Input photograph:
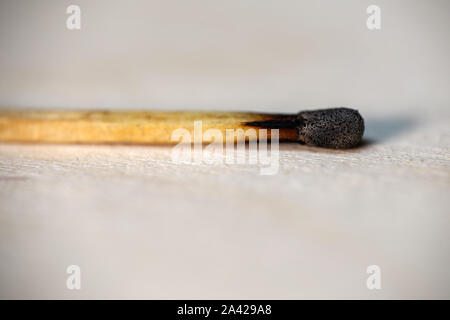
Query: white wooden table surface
x,y
140,226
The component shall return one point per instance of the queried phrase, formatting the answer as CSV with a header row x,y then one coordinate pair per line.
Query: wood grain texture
x,y
130,127
141,226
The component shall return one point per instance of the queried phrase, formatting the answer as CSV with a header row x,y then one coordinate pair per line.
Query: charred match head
x,y
337,128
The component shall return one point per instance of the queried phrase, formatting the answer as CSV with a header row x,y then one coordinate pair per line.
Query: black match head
x,y
338,128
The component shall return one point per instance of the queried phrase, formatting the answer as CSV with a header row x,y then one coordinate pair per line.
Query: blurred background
x,y
142,227
234,54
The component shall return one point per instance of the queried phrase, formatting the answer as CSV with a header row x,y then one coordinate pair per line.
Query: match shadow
x,y
377,130
382,129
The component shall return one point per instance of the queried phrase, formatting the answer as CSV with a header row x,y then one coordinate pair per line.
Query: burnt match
x,y
337,128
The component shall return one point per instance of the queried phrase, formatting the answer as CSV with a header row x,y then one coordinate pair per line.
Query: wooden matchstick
x,y
329,128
